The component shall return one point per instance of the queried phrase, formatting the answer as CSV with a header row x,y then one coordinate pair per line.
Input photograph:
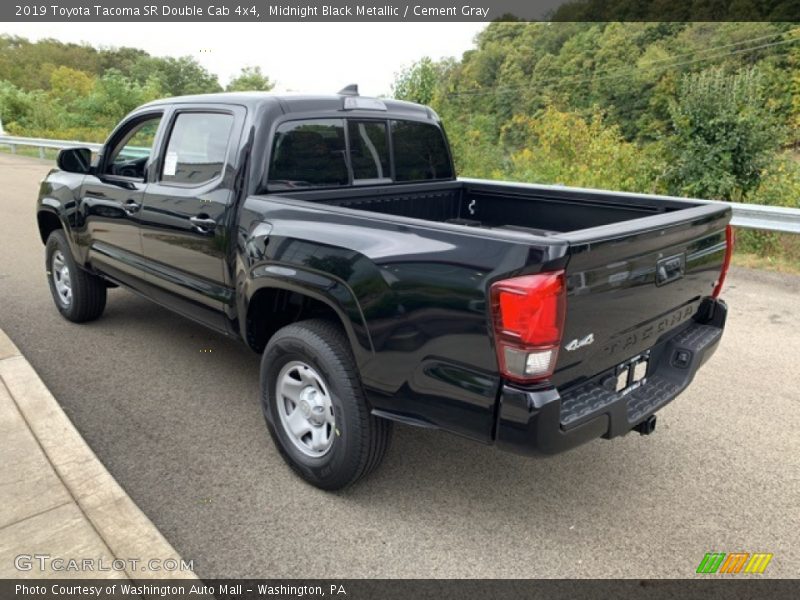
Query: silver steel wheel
x,y
59,271
305,408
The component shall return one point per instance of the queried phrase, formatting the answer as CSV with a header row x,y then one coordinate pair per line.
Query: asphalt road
x,y
182,432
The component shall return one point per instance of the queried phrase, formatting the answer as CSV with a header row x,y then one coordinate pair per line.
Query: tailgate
x,y
631,283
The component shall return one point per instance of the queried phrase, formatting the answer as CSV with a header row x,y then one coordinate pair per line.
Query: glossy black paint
x,y
405,267
74,160
530,421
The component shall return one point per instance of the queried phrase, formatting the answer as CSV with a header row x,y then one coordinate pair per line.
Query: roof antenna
x,y
350,90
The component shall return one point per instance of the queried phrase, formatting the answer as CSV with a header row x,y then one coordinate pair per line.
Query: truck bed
x,y
535,209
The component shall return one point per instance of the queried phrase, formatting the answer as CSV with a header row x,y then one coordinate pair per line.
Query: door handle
x,y
131,206
203,224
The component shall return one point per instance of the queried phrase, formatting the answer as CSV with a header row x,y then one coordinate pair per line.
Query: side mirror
x,y
75,160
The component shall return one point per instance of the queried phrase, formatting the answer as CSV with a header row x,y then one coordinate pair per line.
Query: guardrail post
x,y
13,148
41,151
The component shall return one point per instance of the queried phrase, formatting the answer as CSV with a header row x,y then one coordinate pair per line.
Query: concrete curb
x,y
124,529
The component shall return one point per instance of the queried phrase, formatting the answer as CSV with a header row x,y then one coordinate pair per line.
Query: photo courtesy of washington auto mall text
x,y
399,299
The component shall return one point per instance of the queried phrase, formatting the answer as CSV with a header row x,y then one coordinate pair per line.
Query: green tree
x,y
417,83
175,76
724,135
67,85
16,106
250,79
113,96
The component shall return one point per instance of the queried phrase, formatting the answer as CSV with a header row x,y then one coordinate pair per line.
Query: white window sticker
x,y
170,164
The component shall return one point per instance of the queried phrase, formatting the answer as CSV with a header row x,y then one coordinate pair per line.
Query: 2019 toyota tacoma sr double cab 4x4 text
x,y
330,234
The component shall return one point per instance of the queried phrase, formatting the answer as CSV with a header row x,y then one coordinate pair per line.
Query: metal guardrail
x,y
42,143
750,216
770,218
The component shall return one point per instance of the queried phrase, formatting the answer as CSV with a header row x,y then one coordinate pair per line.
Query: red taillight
x,y
528,315
726,263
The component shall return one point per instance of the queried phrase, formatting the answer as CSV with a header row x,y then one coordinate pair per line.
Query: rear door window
x,y
309,154
419,152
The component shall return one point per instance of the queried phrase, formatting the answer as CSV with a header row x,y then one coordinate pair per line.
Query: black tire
x,y
88,292
361,439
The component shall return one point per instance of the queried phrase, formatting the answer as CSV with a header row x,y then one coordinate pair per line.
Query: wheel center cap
x,y
306,408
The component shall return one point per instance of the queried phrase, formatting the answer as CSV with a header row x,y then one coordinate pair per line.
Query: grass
x,y
766,263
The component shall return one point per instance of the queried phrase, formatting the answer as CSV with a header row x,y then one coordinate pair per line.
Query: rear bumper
x,y
545,422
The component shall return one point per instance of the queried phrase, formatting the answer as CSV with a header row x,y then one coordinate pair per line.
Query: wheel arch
x,y
271,303
48,221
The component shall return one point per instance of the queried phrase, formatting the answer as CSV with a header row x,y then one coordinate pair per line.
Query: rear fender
x,y
321,287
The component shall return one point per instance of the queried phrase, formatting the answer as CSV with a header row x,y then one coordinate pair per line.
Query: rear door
x,y
630,283
186,216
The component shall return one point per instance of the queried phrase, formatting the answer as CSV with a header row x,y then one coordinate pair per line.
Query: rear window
x,y
369,152
313,153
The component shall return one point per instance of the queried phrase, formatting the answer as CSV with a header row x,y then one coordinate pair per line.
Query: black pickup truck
x,y
330,234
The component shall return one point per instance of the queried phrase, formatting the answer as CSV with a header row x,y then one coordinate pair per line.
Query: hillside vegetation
x,y
74,91
707,110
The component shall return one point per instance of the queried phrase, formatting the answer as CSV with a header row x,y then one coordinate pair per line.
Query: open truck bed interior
x,y
538,210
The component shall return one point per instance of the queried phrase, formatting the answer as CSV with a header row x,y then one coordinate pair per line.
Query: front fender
x,y
57,198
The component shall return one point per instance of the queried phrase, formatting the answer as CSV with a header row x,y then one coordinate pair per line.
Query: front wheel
x,y
79,295
315,407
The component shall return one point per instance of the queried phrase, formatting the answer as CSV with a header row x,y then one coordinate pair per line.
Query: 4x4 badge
x,y
580,343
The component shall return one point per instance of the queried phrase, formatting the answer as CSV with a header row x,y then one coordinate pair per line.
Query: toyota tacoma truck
x,y
331,235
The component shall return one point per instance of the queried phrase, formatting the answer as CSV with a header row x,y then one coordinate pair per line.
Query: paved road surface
x,y
182,432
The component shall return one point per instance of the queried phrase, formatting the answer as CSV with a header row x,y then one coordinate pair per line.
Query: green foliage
x,y
67,84
73,91
417,83
780,183
112,96
29,65
474,151
724,136
16,105
563,148
175,76
250,79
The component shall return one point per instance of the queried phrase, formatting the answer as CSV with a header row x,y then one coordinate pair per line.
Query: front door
x,y
186,214
111,200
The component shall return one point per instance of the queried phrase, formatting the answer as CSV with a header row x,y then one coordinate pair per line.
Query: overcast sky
x,y
304,57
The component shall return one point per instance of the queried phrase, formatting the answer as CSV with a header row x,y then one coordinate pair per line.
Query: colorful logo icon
x,y
735,562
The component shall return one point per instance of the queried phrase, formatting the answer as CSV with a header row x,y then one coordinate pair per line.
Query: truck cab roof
x,y
288,102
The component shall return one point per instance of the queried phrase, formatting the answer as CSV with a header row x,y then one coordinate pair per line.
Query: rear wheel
x,y
315,407
79,296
